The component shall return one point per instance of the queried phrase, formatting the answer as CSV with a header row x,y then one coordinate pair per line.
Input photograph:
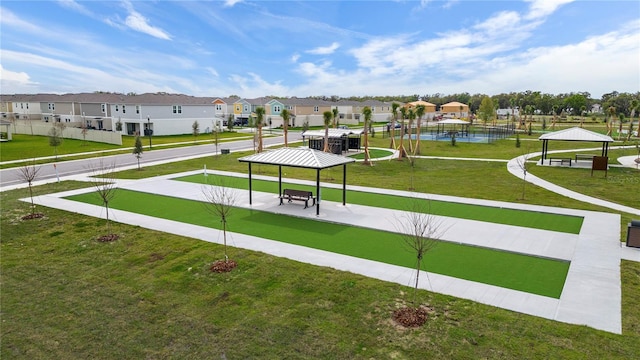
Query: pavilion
x,y
301,157
574,134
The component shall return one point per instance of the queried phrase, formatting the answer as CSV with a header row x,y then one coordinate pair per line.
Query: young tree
x,y
419,231
55,139
28,173
220,202
84,131
137,150
366,113
394,117
486,110
335,114
523,164
611,111
419,113
259,124
411,113
195,130
285,125
105,184
402,152
327,121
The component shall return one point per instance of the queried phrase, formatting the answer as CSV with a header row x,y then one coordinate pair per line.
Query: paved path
x,y
591,295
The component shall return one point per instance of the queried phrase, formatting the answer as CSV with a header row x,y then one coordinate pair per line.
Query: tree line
x,y
574,103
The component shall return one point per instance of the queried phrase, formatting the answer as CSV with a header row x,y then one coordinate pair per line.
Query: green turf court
x,y
530,274
530,219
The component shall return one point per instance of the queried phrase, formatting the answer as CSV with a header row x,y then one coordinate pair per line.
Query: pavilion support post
x,y
344,185
279,180
250,197
318,192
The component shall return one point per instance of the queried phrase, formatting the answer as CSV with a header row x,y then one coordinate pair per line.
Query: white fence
x,y
38,128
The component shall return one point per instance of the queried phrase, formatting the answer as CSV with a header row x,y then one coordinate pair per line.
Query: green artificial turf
x,y
531,219
509,270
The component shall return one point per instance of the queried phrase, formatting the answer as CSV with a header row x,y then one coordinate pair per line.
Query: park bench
x,y
584,157
560,160
297,195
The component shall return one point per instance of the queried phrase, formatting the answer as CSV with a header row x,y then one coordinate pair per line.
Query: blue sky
x,y
303,48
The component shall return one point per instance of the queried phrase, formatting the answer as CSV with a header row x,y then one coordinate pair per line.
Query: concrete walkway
x,y
591,295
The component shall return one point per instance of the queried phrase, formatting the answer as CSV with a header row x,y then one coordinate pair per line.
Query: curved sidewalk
x,y
514,166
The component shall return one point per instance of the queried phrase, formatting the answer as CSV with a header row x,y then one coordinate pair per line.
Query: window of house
x,y
276,108
137,109
177,109
116,108
52,106
27,106
237,107
218,107
316,109
102,108
123,109
21,104
246,108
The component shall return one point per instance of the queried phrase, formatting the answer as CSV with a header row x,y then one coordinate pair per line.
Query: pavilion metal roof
x,y
576,134
333,133
298,157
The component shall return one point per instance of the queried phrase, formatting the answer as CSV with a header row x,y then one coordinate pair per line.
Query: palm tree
x,y
285,125
554,109
335,113
412,116
327,121
394,117
366,112
583,112
635,106
402,153
612,112
419,113
259,118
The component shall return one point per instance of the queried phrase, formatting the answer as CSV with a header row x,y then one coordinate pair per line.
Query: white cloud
x,y
138,22
75,6
324,50
543,8
231,3
295,57
15,82
8,18
212,71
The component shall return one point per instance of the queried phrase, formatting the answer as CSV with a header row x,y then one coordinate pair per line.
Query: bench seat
x,y
297,195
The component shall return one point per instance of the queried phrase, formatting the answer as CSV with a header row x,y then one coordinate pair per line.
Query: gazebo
x,y
301,157
340,140
574,134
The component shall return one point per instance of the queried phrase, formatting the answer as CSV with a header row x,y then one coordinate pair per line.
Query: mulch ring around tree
x,y
222,266
33,216
108,238
410,316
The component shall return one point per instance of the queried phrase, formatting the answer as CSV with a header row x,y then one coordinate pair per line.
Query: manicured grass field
x,y
373,153
531,219
514,271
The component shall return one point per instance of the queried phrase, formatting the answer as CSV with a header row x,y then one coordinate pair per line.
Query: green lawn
x,y
373,154
514,271
531,219
29,147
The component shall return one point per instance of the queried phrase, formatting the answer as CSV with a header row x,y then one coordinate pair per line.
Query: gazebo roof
x,y
333,133
576,134
298,157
